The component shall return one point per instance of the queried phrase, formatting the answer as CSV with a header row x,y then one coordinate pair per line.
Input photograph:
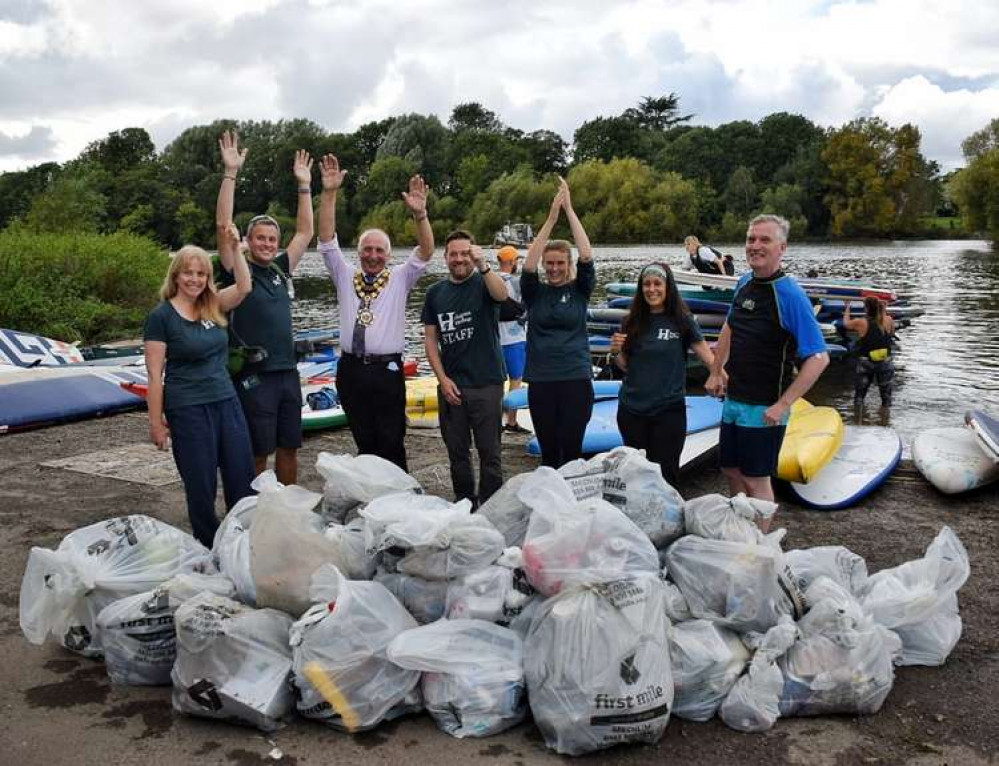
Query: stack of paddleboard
x,y
830,466
421,402
602,434
959,459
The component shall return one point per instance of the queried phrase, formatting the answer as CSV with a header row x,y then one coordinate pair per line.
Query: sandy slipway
x,y
58,708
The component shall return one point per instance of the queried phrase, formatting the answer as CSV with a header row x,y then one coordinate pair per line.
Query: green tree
x,y
976,187
515,196
981,141
18,189
658,114
71,204
608,138
121,150
422,141
473,116
740,192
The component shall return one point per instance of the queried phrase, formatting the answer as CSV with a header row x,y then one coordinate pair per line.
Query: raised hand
x,y
303,168
416,197
232,156
564,189
558,202
478,256
330,173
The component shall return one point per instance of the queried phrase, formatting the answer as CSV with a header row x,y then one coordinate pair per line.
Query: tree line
x,y
645,175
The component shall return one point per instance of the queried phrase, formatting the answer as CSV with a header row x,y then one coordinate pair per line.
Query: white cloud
x,y
87,68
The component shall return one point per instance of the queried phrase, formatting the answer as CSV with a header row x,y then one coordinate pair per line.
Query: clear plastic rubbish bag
x,y
677,608
495,594
833,561
842,661
735,519
753,704
425,600
64,590
137,632
410,521
743,586
507,512
706,661
349,538
473,674
231,546
287,546
468,545
918,600
355,480
570,543
233,662
342,672
597,665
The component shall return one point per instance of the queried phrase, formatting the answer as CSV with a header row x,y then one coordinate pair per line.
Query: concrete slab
x,y
140,463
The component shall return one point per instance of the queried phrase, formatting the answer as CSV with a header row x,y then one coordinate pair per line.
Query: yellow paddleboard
x,y
422,393
814,434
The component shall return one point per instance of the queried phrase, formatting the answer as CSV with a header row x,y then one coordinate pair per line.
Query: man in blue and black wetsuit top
x,y
770,330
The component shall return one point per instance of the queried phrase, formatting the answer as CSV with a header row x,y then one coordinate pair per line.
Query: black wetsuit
x,y
874,363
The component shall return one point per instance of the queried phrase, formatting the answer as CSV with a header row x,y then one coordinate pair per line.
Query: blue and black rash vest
x,y
772,325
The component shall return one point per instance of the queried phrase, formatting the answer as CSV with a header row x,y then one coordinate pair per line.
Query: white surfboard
x,y
863,462
986,428
952,460
698,445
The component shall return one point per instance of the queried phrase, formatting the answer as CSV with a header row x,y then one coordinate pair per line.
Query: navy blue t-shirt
x,y
657,366
558,347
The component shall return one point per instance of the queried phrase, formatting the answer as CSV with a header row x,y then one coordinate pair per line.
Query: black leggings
x,y
867,373
662,436
560,410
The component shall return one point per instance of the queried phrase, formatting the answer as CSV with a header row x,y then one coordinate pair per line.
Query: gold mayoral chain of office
x,y
367,293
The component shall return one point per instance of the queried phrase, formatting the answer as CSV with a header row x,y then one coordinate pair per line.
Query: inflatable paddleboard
x,y
602,434
863,463
23,349
602,389
953,460
318,420
813,436
607,315
986,428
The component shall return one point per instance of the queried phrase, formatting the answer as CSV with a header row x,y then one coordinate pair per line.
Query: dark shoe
x,y
516,428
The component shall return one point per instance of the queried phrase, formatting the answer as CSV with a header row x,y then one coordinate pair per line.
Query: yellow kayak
x,y
814,434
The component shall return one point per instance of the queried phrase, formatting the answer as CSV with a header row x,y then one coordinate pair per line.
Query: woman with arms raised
x,y
195,402
651,412
560,394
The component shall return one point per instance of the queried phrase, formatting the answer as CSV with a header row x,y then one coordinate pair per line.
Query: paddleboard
x,y
710,321
817,288
986,428
602,434
626,290
23,349
602,389
603,328
607,315
953,460
863,462
318,420
814,434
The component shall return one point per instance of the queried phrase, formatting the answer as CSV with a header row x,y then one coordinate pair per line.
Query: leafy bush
x,y
78,287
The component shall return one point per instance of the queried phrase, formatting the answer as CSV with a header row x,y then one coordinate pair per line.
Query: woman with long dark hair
x,y
653,343
873,350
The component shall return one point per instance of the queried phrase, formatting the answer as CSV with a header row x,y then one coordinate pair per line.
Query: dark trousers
x,y
869,372
478,417
560,411
374,398
662,436
207,438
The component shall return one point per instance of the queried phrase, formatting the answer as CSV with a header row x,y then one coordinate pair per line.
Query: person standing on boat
x,y
372,298
268,387
461,325
706,259
770,324
560,394
652,352
873,349
193,407
513,334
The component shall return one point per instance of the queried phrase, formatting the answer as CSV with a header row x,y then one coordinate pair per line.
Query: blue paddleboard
x,y
602,434
602,389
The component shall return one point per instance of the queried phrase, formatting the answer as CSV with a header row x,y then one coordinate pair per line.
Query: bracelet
x,y
420,217
486,270
305,190
231,178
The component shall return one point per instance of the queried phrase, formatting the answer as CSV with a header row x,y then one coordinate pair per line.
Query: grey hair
x,y
262,220
366,232
783,227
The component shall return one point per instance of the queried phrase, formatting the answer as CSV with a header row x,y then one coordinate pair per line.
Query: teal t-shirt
x,y
264,317
558,347
196,354
467,322
657,367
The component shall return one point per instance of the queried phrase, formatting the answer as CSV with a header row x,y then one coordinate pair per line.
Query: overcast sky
x,y
72,71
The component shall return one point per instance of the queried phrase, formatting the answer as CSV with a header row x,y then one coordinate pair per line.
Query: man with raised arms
x,y
268,385
372,302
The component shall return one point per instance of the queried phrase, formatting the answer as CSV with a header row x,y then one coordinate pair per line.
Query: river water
x,y
947,360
